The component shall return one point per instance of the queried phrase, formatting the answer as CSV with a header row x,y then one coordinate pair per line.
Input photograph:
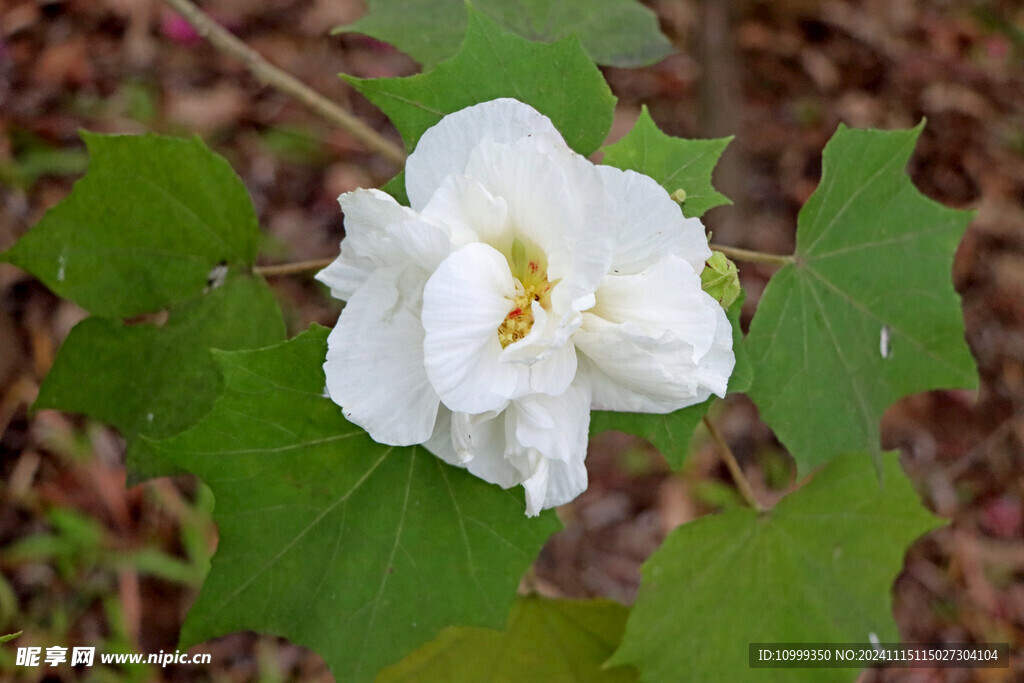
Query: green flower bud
x,y
721,279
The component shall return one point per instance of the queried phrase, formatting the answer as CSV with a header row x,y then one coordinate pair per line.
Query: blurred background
x,y
85,561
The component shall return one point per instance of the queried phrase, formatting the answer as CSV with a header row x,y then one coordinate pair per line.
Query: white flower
x,y
524,287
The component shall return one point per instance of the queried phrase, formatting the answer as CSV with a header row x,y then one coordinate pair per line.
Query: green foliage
x,y
676,163
545,640
816,568
145,228
867,312
159,379
671,433
557,80
357,550
156,223
614,32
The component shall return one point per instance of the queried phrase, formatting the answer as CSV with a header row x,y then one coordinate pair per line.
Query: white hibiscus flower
x,y
524,287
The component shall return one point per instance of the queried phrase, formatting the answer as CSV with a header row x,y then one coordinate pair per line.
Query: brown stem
x,y
269,74
737,254
734,467
292,268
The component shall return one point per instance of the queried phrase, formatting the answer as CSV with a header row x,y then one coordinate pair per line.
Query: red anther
x,y
514,313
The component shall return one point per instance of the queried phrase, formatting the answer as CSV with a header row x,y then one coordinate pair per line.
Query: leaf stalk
x,y
292,268
737,254
734,467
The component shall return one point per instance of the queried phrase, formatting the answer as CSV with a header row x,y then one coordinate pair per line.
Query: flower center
x,y
532,284
519,321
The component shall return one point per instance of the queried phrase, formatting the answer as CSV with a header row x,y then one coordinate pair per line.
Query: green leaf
x,y
557,80
159,379
614,32
354,549
867,312
676,163
144,228
156,223
545,640
819,567
671,433
396,188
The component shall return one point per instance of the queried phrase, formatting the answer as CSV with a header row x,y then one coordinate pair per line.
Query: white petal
x,y
464,302
664,296
371,210
379,233
546,351
536,484
556,201
347,273
374,365
633,371
440,441
650,224
717,365
389,234
552,483
539,442
565,481
550,445
655,341
470,213
555,426
444,149
552,374
641,374
480,441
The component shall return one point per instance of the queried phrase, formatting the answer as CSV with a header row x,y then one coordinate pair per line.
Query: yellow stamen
x,y
519,321
529,267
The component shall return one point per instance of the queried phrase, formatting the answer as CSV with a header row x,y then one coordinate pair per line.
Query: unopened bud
x,y
721,279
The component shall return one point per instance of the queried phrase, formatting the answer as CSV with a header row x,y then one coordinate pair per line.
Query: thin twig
x,y
269,74
292,268
737,254
734,467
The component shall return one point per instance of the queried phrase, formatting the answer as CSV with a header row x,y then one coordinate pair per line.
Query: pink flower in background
x,y
176,28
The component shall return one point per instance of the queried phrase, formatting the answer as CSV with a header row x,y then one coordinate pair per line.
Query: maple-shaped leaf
x,y
155,221
866,312
157,224
817,568
620,33
558,80
354,549
675,163
159,379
